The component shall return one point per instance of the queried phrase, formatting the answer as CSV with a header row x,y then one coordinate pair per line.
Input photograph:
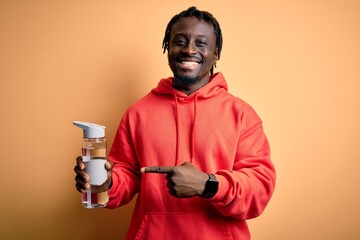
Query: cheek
x,y
171,61
170,55
209,60
211,56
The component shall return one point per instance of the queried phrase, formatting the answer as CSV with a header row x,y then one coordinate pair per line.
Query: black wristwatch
x,y
211,187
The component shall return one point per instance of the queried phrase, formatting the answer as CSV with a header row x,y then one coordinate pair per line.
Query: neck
x,y
190,88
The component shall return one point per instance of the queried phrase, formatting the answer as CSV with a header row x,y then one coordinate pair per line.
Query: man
x,y
196,155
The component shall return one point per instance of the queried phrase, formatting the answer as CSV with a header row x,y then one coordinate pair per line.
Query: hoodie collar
x,y
216,84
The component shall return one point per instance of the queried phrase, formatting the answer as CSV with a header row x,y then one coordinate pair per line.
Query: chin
x,y
185,80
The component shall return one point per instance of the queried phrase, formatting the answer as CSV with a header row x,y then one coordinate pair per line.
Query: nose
x,y
190,48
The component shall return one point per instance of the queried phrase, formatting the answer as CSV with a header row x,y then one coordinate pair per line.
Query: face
x,y
192,51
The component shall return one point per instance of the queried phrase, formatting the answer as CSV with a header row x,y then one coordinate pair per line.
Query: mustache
x,y
190,57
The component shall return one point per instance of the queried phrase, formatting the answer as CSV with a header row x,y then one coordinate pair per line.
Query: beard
x,y
185,81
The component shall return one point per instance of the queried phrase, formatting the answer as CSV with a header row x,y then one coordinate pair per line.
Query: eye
x,y
201,43
179,42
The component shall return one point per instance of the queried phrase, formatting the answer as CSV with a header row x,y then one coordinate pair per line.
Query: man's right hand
x,y
82,178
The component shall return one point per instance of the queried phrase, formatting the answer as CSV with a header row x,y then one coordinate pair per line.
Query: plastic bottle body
x,y
94,158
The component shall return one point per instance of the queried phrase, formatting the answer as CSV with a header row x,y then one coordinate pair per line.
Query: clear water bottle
x,y
94,158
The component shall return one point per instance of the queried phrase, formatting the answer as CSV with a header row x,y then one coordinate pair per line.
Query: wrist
x,y
211,187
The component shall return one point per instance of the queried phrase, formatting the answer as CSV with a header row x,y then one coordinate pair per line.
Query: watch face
x,y
211,187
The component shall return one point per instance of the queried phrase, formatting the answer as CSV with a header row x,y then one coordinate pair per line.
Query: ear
x,y
216,55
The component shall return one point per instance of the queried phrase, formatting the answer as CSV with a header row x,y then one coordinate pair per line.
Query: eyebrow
x,y
183,34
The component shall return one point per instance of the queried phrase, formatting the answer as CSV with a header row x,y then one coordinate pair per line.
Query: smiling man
x,y
196,155
192,52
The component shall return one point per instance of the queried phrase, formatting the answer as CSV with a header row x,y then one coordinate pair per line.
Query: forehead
x,y
192,26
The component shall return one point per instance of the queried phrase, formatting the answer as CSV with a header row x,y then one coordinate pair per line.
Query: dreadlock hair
x,y
201,15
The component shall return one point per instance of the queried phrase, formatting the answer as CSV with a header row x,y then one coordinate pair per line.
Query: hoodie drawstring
x,y
192,138
177,130
193,131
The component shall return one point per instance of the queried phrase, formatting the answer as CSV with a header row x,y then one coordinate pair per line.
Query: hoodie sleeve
x,y
245,191
126,172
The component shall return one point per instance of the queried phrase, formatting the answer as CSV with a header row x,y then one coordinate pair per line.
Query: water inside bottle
x,y
93,198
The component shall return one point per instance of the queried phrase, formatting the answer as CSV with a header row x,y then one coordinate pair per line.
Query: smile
x,y
189,63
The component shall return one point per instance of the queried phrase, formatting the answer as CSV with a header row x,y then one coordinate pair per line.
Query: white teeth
x,y
189,63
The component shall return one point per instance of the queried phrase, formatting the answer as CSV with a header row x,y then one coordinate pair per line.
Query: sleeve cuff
x,y
223,191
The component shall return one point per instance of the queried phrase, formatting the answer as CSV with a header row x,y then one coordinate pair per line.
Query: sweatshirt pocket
x,y
183,226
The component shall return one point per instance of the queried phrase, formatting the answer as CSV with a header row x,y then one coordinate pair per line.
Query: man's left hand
x,y
183,181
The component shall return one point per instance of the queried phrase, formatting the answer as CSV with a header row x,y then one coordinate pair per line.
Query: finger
x,y
81,184
109,165
168,178
172,192
82,188
81,173
80,163
77,170
82,177
157,169
169,185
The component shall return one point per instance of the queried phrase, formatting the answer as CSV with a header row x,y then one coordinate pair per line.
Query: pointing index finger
x,y
157,169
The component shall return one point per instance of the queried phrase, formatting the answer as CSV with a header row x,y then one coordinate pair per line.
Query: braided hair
x,y
201,15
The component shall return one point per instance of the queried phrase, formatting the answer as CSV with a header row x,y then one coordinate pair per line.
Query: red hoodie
x,y
216,132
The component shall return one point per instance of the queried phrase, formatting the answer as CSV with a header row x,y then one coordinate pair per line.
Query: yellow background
x,y
296,62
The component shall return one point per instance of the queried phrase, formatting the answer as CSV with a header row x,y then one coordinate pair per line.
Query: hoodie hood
x,y
216,85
